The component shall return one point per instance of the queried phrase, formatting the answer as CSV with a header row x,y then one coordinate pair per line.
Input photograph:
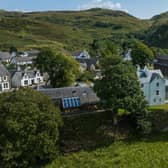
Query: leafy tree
x,y
13,49
87,76
29,129
103,48
141,54
108,49
119,89
62,70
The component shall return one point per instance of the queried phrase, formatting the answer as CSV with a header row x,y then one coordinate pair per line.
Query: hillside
x,y
73,28
76,29
157,35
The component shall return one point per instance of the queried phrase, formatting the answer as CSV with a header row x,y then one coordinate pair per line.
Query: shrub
x,y
29,129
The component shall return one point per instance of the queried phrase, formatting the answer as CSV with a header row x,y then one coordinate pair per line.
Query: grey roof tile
x,y
86,94
3,70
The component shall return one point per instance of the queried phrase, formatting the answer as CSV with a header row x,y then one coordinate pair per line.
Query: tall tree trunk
x,y
115,120
115,123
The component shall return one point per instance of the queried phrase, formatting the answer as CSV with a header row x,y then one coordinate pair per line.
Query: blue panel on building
x,y
73,102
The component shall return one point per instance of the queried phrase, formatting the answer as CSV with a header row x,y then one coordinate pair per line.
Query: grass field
x,y
159,107
149,152
88,142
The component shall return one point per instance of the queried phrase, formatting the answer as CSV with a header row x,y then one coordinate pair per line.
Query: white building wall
x,y
36,80
154,98
4,83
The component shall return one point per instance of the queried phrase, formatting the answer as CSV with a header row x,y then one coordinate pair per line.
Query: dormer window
x,y
26,76
5,78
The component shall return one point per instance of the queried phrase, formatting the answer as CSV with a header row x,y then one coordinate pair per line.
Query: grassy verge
x,y
88,142
149,152
159,107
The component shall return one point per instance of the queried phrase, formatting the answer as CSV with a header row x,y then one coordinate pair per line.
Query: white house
x,y
153,85
27,78
127,56
4,79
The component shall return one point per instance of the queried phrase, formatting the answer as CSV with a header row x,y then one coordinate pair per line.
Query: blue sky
x,y
138,8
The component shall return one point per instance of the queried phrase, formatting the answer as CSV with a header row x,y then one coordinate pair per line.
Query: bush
x,y
29,129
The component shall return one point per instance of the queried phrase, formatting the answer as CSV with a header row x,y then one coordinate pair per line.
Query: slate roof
x,y
3,70
20,74
5,55
33,53
86,94
23,59
89,62
147,76
162,57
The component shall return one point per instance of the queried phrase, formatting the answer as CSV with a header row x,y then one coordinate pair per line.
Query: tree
x,y
108,49
87,76
62,70
29,129
141,54
13,49
103,47
119,89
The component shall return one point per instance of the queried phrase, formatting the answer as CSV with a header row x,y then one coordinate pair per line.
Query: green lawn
x,y
144,153
96,148
159,107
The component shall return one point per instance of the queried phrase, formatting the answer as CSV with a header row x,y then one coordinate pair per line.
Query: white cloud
x,y
17,10
105,4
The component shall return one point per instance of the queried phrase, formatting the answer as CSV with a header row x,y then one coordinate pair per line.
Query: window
x,y
26,76
5,78
26,82
32,81
5,85
74,91
73,102
157,84
142,85
157,92
154,100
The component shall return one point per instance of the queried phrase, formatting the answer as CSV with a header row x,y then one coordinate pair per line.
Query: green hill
x,y
75,29
160,19
157,34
